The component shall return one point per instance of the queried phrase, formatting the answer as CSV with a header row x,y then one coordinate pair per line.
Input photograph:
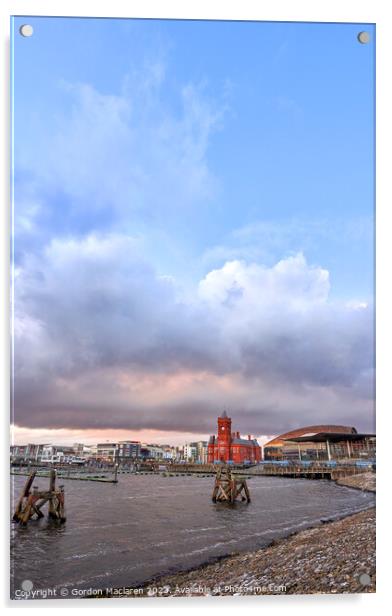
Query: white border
x,y
375,11
280,10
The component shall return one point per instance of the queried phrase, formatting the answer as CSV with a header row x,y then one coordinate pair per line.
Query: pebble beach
x,y
334,557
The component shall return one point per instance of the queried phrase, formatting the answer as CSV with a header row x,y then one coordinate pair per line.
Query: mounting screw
x,y
363,37
26,30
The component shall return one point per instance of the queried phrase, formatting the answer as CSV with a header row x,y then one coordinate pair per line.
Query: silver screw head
x,y
364,37
26,30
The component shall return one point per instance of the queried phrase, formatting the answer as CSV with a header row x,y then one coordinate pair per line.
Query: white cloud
x,y
291,284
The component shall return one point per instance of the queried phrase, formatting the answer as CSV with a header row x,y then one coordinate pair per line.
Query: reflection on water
x,y
124,534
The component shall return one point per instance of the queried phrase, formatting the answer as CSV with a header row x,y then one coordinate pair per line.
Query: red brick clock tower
x,y
224,437
228,446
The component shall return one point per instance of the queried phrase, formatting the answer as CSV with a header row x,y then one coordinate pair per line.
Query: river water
x,y
124,534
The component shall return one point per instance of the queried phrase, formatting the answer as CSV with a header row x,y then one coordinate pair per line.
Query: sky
x,y
193,222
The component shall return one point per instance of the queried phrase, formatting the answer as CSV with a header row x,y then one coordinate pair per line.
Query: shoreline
x,y
333,556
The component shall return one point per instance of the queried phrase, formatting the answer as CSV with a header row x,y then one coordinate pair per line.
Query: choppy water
x,y
145,526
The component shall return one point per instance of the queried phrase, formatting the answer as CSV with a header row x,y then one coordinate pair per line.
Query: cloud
x,y
113,329
135,159
266,240
281,321
291,283
103,340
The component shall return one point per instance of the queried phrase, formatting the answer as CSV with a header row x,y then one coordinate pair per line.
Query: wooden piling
x,y
228,488
30,502
52,487
24,495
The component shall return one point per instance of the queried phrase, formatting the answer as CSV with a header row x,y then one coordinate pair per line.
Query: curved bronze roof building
x,y
274,446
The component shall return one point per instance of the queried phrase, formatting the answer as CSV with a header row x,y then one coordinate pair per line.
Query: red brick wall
x,y
223,449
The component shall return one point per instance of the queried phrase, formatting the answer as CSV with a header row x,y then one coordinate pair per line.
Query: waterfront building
x,y
17,453
169,452
179,453
78,448
330,446
49,454
56,454
202,452
88,451
92,453
195,452
82,451
128,450
27,453
45,453
107,452
190,452
321,442
273,450
151,452
228,446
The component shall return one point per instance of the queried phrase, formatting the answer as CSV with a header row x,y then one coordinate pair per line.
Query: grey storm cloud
x,y
103,341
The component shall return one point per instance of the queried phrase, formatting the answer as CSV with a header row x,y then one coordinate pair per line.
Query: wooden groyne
x,y
32,500
228,488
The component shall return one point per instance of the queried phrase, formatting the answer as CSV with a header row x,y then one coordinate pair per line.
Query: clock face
x,y
223,428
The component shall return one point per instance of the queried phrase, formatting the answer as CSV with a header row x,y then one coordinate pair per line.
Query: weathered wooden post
x,y
61,506
52,487
36,497
30,503
228,488
24,494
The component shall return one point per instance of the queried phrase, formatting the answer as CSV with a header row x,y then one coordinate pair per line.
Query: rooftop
x,y
244,441
334,437
316,429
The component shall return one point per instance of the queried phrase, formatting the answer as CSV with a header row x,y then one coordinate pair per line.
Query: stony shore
x,y
364,481
334,557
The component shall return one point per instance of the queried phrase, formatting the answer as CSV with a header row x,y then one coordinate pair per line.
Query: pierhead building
x,y
228,446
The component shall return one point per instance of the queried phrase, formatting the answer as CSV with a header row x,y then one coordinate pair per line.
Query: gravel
x,y
364,481
337,557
